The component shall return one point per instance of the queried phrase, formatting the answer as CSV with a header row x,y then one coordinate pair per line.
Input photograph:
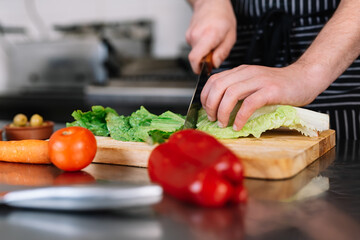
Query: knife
x,y
84,197
195,103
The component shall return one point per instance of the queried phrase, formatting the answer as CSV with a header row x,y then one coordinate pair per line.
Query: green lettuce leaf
x,y
119,127
266,118
93,120
140,126
141,117
143,126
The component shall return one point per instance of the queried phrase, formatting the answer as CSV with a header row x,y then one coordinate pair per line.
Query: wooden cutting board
x,y
275,155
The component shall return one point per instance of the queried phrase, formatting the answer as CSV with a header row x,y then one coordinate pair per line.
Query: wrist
x,y
316,75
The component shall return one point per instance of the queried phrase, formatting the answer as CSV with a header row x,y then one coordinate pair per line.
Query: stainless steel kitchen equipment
x,y
84,197
70,63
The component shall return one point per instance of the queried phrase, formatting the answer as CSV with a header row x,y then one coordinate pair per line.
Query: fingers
x,y
200,49
212,28
224,88
248,107
231,97
209,41
257,86
223,49
223,91
210,82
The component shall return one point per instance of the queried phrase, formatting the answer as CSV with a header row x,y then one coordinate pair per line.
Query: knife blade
x,y
195,103
83,197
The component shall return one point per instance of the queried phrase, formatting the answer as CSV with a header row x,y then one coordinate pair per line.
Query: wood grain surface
x,y
275,155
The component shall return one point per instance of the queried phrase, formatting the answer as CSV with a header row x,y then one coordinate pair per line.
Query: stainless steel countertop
x,y
321,202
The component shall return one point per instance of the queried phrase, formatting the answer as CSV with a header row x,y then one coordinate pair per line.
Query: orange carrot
x,y
25,151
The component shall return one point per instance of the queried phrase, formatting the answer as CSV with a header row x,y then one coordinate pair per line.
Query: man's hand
x,y
258,86
333,50
212,27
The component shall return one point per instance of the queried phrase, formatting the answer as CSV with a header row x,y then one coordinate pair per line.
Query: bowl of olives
x,y
21,128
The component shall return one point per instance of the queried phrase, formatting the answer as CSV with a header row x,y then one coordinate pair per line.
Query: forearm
x,y
336,46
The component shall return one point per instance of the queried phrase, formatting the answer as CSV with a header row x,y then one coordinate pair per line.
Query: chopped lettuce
x,y
266,118
141,117
93,120
140,126
119,127
143,126
168,122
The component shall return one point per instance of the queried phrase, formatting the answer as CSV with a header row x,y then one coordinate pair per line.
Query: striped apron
x,y
276,32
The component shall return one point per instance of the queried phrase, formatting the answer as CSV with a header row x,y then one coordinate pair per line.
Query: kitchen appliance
x,y
5,30
67,64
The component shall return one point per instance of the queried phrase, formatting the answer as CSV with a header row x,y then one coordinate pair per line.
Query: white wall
x,y
171,17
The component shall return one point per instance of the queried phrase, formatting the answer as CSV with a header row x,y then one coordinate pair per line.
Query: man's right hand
x,y
212,27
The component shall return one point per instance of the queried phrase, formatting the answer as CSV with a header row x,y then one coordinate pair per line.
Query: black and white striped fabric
x,y
276,32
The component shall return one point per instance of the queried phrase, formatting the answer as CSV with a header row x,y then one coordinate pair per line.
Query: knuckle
x,y
209,32
210,108
192,35
231,93
241,116
251,68
188,37
192,57
212,79
272,91
223,114
254,69
222,54
217,85
248,104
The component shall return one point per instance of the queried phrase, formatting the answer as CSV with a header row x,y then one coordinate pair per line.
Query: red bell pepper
x,y
195,167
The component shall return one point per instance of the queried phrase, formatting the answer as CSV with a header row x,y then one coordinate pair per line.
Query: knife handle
x,y
208,61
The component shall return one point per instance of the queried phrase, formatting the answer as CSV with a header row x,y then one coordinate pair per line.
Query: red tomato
x,y
72,148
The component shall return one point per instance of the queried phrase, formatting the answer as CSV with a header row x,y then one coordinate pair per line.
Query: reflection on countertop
x,y
321,202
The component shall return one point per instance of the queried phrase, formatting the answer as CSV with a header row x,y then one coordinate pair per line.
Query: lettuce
x,y
140,126
119,127
93,120
266,118
143,126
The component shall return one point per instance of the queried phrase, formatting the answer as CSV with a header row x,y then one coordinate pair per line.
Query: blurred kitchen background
x,y
58,56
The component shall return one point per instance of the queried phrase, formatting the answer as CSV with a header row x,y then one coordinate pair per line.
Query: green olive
x,y
36,120
20,120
